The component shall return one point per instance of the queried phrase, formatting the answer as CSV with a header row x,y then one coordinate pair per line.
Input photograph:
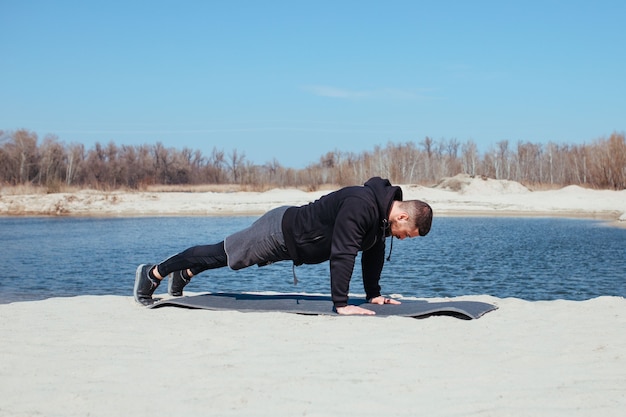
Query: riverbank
x,y
460,195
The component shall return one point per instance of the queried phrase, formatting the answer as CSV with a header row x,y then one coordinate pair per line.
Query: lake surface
x,y
528,258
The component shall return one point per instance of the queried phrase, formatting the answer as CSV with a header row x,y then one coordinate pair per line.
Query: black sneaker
x,y
144,285
176,283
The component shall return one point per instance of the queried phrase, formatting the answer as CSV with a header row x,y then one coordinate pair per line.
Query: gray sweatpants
x,y
260,244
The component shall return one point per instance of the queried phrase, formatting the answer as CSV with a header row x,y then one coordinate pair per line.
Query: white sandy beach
x,y
108,356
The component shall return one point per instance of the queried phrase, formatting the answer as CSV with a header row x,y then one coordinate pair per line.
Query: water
x,y
528,258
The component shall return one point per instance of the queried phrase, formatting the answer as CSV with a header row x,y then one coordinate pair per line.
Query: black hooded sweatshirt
x,y
339,225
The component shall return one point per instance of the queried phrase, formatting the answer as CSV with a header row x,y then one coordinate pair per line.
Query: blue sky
x,y
293,80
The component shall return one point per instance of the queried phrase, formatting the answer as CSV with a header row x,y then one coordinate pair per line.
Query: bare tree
x,y
22,156
601,164
617,151
215,167
469,151
74,158
51,162
528,166
236,165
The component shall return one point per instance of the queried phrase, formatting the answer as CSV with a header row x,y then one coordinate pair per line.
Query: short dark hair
x,y
421,213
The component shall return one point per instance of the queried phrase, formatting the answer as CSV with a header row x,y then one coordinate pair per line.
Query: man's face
x,y
403,228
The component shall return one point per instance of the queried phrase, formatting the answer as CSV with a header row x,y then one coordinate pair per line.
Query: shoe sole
x,y
137,278
142,301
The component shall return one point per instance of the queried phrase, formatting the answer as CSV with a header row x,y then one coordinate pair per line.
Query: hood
x,y
385,194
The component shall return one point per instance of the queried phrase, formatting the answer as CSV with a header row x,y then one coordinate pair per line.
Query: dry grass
x,y
27,189
33,189
550,187
199,188
214,188
450,183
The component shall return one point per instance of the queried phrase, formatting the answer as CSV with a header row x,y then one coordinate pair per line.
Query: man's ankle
x,y
154,274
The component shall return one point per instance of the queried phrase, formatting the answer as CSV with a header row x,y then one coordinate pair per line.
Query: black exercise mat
x,y
316,305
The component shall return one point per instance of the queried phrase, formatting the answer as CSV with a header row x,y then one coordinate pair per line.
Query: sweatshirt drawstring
x,y
293,270
385,227
390,249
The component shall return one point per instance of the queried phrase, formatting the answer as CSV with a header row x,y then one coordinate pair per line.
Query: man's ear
x,y
404,216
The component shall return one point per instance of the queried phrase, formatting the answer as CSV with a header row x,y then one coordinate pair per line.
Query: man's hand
x,y
353,310
383,300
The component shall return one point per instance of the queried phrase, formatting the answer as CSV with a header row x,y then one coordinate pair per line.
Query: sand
x,y
108,356
460,195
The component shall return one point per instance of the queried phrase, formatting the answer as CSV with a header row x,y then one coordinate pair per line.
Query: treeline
x,y
51,163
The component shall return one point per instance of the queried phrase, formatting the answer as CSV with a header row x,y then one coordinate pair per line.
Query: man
x,y
335,227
